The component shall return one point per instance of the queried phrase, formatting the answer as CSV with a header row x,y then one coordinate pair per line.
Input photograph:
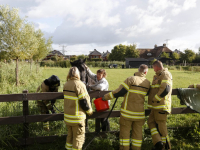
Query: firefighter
x,y
132,113
76,106
101,84
194,86
159,101
48,85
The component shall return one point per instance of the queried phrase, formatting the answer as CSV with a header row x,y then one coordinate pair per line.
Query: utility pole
x,y
167,42
63,49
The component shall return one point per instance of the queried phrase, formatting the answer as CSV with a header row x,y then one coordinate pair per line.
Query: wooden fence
x,y
26,119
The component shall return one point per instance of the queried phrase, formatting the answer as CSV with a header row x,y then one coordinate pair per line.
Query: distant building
x,y
94,54
105,55
53,53
148,54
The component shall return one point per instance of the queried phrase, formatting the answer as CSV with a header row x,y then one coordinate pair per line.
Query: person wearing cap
x,y
100,84
76,106
132,113
48,85
159,101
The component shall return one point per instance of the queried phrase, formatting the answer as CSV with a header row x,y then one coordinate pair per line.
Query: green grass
x,y
186,139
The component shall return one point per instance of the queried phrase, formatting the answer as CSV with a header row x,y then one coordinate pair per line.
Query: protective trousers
x,y
45,106
158,127
124,137
75,136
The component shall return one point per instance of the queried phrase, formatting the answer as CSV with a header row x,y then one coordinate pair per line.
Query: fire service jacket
x,y
76,102
134,89
159,97
44,88
194,86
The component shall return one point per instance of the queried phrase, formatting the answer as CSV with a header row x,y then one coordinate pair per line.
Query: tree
x,y
175,56
188,55
132,52
165,55
118,53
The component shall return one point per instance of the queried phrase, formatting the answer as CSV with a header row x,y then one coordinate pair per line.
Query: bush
x,y
96,59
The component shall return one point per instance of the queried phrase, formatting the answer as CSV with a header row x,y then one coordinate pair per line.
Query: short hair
x,y
143,68
158,64
73,72
102,71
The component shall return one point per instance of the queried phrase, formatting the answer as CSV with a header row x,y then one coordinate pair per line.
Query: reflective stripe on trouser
x,y
46,124
125,127
157,124
75,136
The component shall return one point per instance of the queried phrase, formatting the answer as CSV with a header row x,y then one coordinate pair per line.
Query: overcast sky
x,y
85,25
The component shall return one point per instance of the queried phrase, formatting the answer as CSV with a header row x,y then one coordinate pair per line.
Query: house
x,y
53,53
148,54
94,54
105,55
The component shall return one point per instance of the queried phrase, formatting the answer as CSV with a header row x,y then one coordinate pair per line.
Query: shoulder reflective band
x,y
82,95
140,86
166,81
138,92
71,97
125,85
158,98
155,86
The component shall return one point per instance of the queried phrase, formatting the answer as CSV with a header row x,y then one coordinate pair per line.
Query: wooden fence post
x,y
25,113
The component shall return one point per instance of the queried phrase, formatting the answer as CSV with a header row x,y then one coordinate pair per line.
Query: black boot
x,y
158,146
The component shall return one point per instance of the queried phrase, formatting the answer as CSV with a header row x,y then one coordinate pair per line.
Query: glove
x,y
89,113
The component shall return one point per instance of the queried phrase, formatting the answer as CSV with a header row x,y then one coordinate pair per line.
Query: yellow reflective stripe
x,y
132,117
167,138
164,139
166,81
155,86
126,100
138,92
68,146
75,149
159,107
158,98
71,97
132,113
74,116
72,121
111,95
195,85
136,141
154,131
77,108
149,106
125,142
125,85
82,95
89,111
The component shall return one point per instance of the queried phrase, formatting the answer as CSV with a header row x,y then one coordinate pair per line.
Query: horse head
x,y
80,65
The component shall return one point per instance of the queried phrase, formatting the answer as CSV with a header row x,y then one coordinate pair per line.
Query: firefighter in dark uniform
x,y
132,113
159,101
48,85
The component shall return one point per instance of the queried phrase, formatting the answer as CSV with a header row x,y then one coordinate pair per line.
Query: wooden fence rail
x,y
26,118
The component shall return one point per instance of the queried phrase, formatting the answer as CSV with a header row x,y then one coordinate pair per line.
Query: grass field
x,y
181,139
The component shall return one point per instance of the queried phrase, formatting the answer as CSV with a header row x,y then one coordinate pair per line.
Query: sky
x,y
80,26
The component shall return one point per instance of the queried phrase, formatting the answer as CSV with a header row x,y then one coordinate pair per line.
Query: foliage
x,y
188,55
175,56
151,63
119,52
82,57
165,55
73,58
96,59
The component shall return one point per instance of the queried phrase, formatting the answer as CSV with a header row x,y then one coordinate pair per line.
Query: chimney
x,y
164,45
